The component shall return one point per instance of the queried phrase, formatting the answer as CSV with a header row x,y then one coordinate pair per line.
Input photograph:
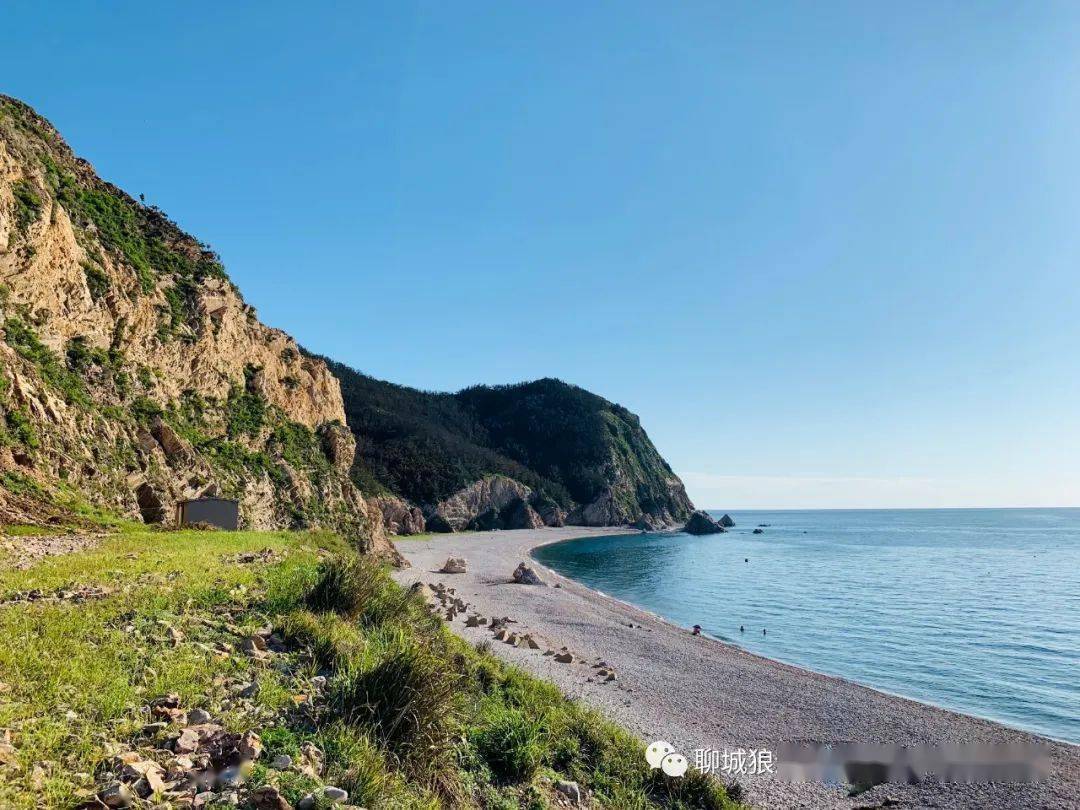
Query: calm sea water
x,y
976,610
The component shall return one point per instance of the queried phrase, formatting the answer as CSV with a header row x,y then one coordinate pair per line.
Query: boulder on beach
x,y
701,523
524,575
726,521
454,565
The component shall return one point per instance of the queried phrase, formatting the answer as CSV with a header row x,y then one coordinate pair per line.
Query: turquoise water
x,y
976,610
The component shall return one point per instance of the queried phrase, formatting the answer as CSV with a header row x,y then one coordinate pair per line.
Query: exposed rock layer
x,y
133,372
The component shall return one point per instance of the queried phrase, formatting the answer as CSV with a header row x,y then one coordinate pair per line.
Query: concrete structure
x,y
220,512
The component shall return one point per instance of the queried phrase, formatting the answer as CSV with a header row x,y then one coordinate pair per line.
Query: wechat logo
x,y
664,756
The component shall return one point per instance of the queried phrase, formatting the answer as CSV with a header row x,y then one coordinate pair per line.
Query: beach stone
x,y
524,575
255,646
197,717
564,658
335,794
306,803
268,798
282,762
472,621
250,746
205,798
531,642
187,742
116,795
313,758
502,635
454,565
611,676
571,790
249,690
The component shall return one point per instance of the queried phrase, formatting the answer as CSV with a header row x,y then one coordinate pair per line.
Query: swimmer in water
x,y
696,631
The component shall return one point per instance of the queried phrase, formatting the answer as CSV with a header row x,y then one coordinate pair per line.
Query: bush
x,y
96,280
401,691
511,744
330,641
24,340
27,204
361,589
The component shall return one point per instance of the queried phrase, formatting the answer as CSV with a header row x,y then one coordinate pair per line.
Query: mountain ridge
x,y
576,451
133,375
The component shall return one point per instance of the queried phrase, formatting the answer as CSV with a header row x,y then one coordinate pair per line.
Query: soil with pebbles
x,y
696,692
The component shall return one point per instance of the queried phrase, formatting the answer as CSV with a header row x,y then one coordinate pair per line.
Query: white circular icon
x,y
674,764
656,752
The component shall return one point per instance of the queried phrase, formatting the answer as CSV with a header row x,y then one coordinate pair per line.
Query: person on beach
x,y
696,631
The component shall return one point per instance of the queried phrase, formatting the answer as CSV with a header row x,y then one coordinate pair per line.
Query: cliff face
x,y
584,460
133,373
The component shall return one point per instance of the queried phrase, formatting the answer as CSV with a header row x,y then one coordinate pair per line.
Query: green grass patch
x,y
411,716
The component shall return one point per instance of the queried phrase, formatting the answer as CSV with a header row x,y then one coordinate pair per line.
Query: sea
x,y
976,610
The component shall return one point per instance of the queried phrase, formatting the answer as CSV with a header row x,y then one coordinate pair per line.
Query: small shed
x,y
223,513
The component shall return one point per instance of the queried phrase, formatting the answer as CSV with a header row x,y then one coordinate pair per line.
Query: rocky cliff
x,y
577,457
132,372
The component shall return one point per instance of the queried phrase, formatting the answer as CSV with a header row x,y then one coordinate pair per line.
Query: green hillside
x,y
565,443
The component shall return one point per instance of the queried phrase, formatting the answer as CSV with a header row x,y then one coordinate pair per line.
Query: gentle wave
x,y
974,610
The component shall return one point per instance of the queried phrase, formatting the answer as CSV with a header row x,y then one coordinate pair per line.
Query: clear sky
x,y
829,252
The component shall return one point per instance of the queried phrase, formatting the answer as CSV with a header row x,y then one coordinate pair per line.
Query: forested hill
x,y
569,446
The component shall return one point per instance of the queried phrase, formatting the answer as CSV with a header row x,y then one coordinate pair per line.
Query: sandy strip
x,y
698,692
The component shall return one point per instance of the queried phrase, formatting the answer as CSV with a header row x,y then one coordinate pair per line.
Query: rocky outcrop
x,y
726,521
650,523
398,515
132,370
549,510
702,523
481,506
520,515
585,459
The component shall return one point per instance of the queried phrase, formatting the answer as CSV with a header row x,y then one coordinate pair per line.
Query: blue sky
x,y
827,251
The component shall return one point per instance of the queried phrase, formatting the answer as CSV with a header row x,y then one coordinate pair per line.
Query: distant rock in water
x,y
701,523
726,521
759,531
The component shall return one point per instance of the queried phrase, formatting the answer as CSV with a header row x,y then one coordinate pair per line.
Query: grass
x,y
411,717
24,530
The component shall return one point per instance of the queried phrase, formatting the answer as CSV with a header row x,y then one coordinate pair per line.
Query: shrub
x,y
511,743
23,340
358,588
20,429
402,692
330,641
245,413
27,204
96,280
